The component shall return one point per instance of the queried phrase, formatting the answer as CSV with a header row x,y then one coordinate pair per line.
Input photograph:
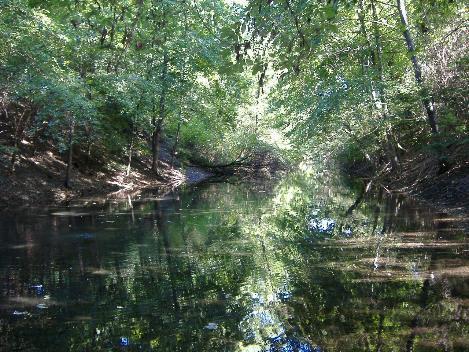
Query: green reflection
x,y
306,263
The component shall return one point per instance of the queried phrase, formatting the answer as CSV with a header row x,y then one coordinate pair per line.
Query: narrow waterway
x,y
301,264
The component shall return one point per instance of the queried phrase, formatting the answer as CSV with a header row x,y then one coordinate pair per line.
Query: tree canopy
x,y
220,81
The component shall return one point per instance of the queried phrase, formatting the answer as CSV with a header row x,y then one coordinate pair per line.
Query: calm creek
x,y
300,264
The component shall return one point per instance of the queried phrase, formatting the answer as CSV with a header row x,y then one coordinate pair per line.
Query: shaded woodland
x,y
89,86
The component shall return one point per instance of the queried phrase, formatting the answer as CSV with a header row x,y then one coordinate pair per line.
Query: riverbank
x,y
420,176
39,176
448,192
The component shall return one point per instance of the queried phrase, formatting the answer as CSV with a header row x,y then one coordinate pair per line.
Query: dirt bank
x,y
39,177
421,177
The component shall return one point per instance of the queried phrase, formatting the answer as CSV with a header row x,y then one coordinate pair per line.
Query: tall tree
x,y
427,98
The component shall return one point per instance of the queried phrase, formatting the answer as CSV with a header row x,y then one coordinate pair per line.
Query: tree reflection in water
x,y
306,264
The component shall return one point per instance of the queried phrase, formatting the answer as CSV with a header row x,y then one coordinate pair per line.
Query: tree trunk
x,y
130,149
14,156
154,160
377,78
15,145
70,152
156,136
427,98
157,141
176,141
20,124
89,139
158,125
378,45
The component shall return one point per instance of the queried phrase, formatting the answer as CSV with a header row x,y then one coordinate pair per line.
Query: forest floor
x,y
39,178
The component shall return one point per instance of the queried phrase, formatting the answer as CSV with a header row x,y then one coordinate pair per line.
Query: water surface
x,y
302,264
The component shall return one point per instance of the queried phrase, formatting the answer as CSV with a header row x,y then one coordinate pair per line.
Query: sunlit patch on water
x,y
83,318
23,246
24,301
99,271
325,225
70,213
286,344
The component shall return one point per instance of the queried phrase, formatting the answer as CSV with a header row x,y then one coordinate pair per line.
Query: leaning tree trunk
x,y
70,152
377,80
426,97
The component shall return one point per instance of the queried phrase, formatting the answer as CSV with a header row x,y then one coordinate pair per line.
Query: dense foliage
x,y
366,78
123,77
213,80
